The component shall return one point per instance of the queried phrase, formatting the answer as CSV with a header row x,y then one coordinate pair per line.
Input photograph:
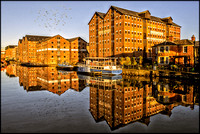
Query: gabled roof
x,y
144,12
125,11
164,43
99,14
156,19
176,42
49,38
135,14
167,18
183,42
72,39
36,37
20,40
45,39
10,46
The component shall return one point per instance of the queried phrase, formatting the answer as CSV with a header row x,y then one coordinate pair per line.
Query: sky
x,y
70,18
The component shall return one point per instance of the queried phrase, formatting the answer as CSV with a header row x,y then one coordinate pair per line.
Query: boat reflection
x,y
127,100
49,78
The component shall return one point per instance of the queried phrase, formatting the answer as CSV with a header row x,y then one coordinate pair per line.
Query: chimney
x,y
193,38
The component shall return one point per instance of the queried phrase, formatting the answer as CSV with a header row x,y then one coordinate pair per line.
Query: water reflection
x,y
11,70
118,100
46,78
123,101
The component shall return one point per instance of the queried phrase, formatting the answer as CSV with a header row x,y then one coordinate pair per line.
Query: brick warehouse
x,y
51,50
10,52
121,32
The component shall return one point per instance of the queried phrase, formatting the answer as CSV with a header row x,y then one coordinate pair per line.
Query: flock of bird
x,y
53,19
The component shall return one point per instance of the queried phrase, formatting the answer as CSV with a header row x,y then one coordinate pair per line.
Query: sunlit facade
x,y
10,53
121,32
3,53
51,50
176,52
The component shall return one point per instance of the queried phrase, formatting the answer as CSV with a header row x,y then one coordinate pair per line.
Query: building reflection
x,y
119,100
126,100
11,70
49,78
176,93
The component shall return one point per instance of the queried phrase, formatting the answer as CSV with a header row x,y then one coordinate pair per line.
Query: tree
x,y
134,62
140,60
122,60
128,61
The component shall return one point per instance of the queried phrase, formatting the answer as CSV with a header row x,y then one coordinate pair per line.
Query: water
x,y
48,100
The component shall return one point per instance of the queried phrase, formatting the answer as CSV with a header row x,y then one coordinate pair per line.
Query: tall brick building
x,y
121,32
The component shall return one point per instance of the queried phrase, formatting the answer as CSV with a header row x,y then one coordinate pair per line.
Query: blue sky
x,y
70,18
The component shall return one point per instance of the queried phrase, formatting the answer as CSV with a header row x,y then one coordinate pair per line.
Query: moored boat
x,y
97,64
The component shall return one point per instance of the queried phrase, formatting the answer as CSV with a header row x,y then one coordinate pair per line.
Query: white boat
x,y
97,64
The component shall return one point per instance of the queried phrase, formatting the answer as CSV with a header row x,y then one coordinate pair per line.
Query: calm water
x,y
50,100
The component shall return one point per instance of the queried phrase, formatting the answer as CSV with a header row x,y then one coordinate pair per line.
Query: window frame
x,y
162,50
184,49
161,60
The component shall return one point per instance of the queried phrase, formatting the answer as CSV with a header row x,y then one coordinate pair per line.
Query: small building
x,y
177,52
11,52
3,53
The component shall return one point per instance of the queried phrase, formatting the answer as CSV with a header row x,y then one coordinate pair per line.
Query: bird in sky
x,y
53,18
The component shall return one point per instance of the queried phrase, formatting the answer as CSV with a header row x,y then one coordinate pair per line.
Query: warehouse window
x,y
167,60
167,49
161,49
185,49
162,60
125,48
